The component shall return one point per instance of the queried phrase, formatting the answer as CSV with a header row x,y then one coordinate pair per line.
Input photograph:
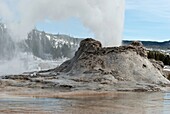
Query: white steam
x,y
5,12
105,18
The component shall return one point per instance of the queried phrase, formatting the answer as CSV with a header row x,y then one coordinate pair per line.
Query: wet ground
x,y
114,103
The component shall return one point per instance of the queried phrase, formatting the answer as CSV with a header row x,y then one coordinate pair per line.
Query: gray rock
x,y
124,68
124,63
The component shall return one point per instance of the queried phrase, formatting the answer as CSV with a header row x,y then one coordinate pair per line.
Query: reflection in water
x,y
166,103
121,103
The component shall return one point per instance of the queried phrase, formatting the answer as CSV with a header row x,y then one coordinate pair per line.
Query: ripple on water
x,y
124,103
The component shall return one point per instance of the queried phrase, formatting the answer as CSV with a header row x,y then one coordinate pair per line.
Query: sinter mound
x,y
124,68
112,64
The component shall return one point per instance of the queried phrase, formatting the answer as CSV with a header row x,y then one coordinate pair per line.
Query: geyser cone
x,y
113,64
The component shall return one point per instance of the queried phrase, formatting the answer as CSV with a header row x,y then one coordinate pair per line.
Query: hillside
x,y
152,44
7,46
51,46
39,43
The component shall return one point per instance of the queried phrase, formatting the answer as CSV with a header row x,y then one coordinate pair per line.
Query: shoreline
x,y
22,92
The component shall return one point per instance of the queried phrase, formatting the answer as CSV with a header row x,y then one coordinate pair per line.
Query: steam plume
x,y
105,18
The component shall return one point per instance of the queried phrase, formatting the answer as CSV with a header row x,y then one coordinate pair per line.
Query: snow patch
x,y
167,68
49,37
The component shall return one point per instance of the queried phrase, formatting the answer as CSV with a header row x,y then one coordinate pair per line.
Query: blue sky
x,y
147,20
71,26
144,20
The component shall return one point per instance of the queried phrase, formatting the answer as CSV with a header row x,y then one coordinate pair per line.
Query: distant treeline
x,y
159,56
152,44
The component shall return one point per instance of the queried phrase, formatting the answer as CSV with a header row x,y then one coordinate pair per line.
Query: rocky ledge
x,y
124,68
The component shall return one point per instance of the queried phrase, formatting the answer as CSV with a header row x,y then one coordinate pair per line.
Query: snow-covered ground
x,y
167,68
26,62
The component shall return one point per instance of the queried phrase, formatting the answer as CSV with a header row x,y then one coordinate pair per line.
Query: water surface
x,y
118,103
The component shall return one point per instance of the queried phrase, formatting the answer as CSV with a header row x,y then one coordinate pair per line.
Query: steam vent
x,y
124,68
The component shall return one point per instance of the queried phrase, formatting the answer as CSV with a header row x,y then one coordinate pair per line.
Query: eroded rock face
x,y
112,64
124,68
92,57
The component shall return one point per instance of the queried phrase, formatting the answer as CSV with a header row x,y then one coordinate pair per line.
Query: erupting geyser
x,y
104,18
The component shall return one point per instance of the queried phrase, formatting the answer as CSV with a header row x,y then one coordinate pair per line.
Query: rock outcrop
x,y
124,63
124,68
7,45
